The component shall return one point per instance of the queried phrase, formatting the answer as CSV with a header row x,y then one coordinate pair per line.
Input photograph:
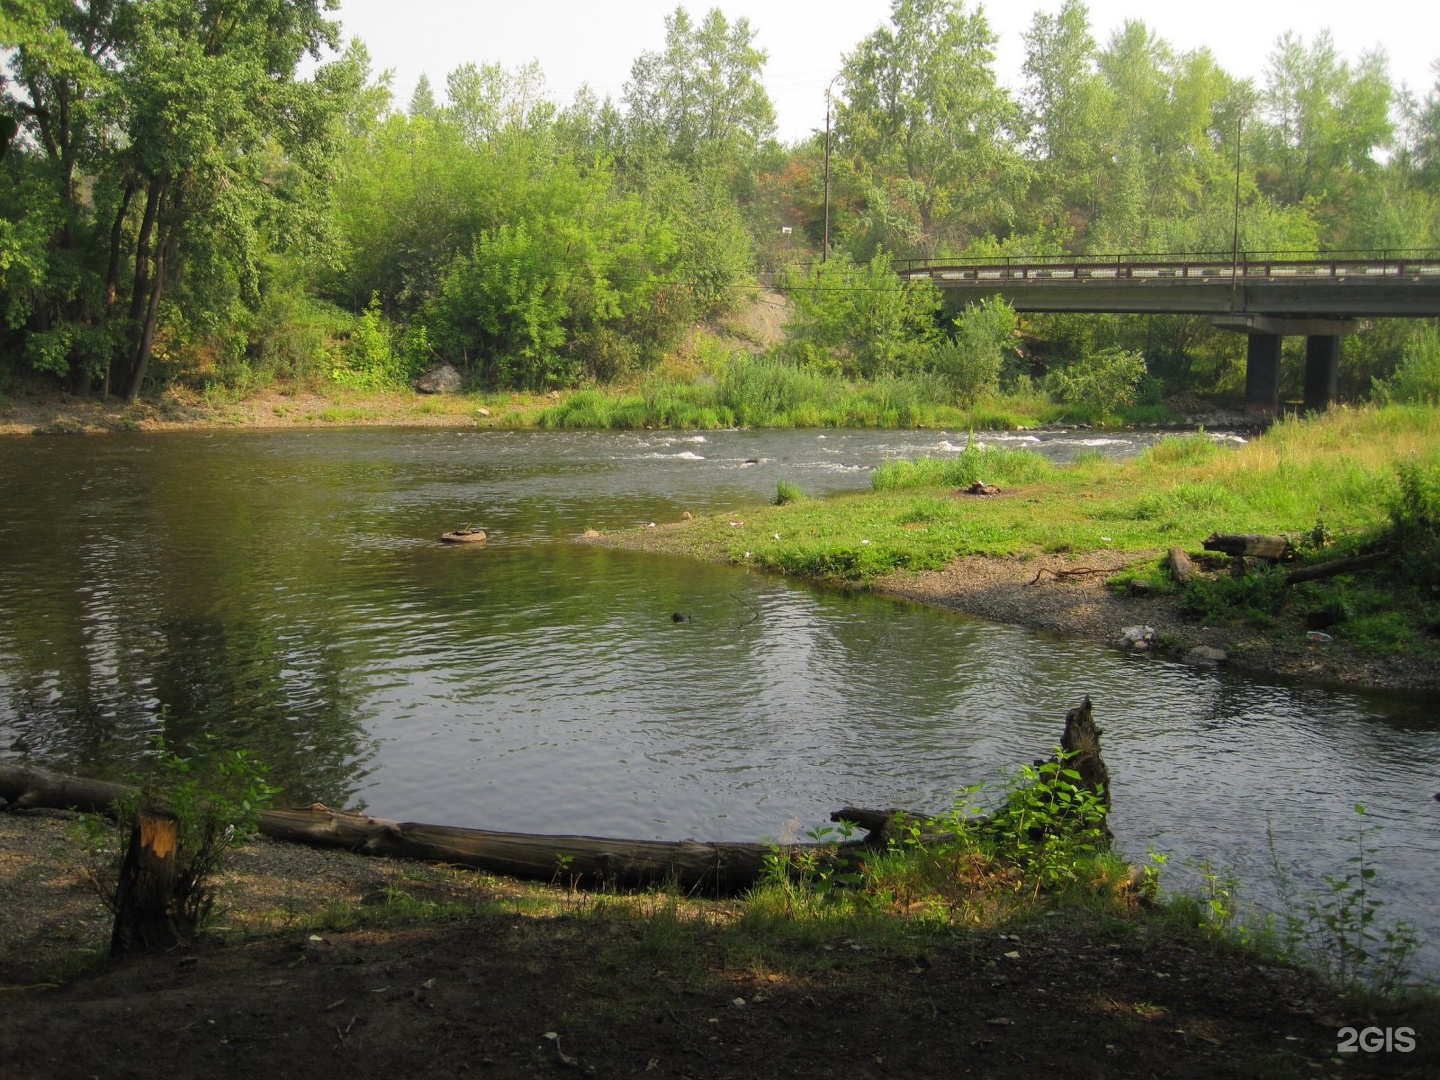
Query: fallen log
x,y
26,788
692,865
1257,547
1334,567
581,860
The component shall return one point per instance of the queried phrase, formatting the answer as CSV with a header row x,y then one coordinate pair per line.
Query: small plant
x,y
1050,826
215,797
786,492
1256,598
1346,940
1219,903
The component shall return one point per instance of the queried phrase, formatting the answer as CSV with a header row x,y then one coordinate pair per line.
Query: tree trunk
x,y
1082,739
147,329
141,283
147,909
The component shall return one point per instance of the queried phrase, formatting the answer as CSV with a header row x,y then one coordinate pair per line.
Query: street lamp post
x,y
1235,237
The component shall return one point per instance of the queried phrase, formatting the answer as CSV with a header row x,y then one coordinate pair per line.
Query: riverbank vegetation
x,y
304,228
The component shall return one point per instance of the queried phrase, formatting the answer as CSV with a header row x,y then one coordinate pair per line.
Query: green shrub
x,y
1416,381
1102,382
370,359
972,360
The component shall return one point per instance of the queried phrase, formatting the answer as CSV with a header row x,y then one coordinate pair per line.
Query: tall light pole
x,y
825,250
1235,238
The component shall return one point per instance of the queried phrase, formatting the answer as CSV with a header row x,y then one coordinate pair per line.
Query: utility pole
x,y
1235,238
825,250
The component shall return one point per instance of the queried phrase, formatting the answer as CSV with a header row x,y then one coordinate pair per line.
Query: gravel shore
x,y
1044,593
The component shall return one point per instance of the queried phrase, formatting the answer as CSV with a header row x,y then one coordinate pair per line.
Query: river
x,y
286,592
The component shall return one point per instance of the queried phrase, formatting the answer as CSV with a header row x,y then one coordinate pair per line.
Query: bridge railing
x,y
1214,267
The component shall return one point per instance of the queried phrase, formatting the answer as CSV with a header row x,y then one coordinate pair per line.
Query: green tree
x,y
1102,382
1067,109
701,100
973,359
422,101
166,133
861,319
1325,122
929,131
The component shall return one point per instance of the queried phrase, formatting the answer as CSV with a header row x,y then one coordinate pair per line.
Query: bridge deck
x,y
1199,285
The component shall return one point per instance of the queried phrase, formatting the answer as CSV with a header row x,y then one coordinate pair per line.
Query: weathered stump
x,y
147,907
1082,739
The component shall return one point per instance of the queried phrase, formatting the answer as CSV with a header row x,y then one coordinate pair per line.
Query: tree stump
x,y
147,909
1082,739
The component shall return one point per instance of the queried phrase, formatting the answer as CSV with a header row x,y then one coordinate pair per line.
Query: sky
x,y
595,41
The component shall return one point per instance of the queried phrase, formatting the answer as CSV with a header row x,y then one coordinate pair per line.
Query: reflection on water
x,y
286,592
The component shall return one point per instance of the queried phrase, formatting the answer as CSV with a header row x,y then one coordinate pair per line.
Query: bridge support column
x,y
1322,371
1262,374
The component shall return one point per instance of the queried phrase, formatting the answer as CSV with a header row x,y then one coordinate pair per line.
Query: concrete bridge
x,y
1264,297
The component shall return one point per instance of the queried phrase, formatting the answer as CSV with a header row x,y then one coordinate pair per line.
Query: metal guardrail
x,y
1208,267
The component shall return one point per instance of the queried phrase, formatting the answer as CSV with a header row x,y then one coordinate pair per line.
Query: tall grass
x,y
753,391
987,464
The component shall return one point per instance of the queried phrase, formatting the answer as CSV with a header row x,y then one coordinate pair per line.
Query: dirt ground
x,y
599,989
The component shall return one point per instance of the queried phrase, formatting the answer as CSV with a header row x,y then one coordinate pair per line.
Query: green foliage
x,y
701,101
861,319
1101,383
1255,598
1416,381
926,127
973,359
215,794
1049,827
1346,939
372,359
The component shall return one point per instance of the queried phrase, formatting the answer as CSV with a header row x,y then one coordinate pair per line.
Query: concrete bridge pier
x,y
1262,357
1322,371
1262,374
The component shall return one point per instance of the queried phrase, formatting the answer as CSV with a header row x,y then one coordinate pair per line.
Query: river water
x,y
287,593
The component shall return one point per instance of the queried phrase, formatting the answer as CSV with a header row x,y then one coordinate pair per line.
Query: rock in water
x,y
442,379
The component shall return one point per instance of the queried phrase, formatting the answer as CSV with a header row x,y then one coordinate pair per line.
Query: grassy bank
x,y
1349,481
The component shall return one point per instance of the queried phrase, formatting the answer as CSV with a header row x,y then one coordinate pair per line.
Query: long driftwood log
x,y
584,860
